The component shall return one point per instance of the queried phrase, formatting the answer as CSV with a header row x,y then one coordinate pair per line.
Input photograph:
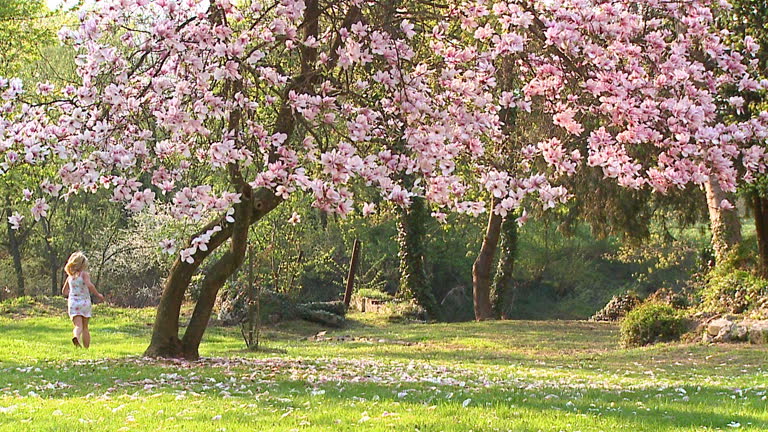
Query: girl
x,y
78,288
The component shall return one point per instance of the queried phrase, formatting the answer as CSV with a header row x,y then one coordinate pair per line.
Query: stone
x,y
739,331
758,332
715,327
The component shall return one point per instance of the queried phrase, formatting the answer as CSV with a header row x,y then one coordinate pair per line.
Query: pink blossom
x,y
368,209
40,209
726,205
168,246
15,220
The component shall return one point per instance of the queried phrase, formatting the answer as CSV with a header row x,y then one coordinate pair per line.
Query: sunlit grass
x,y
513,375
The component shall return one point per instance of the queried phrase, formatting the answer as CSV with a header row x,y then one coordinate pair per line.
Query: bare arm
x,y
65,288
91,287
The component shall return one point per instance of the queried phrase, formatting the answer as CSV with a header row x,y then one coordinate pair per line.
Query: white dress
x,y
79,301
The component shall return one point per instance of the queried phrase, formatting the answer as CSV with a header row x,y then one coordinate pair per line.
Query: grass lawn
x,y
493,376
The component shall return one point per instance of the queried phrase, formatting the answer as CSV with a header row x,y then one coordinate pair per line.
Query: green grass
x,y
491,376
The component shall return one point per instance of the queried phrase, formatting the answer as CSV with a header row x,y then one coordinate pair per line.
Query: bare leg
x,y
86,333
77,332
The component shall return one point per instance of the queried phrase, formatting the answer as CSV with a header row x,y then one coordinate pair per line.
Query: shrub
x,y
617,308
667,296
650,323
733,291
407,311
372,294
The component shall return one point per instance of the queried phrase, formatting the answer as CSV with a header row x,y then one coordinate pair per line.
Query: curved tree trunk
x,y
503,295
760,213
14,247
481,269
53,263
215,278
165,340
724,224
411,236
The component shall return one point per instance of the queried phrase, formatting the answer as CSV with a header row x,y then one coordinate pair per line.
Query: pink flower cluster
x,y
630,88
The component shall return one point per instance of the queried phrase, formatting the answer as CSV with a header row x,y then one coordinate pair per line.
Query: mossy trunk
x,y
724,224
412,233
503,295
481,269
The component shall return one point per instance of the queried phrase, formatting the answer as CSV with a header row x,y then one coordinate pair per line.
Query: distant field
x,y
493,376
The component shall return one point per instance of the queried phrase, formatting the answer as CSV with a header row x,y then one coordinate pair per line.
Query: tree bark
x,y
481,269
165,340
503,295
53,266
215,278
14,247
724,224
412,233
760,213
352,270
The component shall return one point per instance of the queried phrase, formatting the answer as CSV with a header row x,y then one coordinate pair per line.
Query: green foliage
x,y
373,294
406,311
650,323
733,290
23,31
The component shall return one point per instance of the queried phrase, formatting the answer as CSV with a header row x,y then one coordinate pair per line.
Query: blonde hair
x,y
77,263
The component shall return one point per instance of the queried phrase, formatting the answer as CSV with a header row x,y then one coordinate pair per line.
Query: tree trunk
x,y
481,269
724,224
412,233
53,266
15,249
351,275
215,278
503,295
165,340
760,213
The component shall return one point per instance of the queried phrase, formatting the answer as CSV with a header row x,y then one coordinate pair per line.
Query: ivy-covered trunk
x,y
503,294
724,224
411,236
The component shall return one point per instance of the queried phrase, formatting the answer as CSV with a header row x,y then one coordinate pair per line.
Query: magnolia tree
x,y
223,110
635,88
257,101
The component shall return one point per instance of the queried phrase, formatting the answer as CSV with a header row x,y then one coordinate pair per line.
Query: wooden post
x,y
352,270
